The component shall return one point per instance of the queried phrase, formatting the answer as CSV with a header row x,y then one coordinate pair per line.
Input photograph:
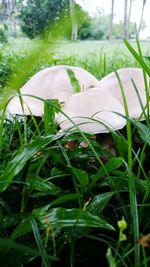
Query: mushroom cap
x,y
110,84
50,83
62,96
93,112
31,106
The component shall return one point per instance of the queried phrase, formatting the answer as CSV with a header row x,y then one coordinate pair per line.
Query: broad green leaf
x,y
42,185
98,203
37,236
61,217
110,258
8,243
11,220
21,158
121,145
82,177
59,200
144,131
110,166
65,198
23,228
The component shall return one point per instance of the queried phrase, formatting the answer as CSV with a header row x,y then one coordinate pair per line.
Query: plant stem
x,y
131,182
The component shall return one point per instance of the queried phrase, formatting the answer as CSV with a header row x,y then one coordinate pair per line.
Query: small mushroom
x,y
110,84
49,83
92,111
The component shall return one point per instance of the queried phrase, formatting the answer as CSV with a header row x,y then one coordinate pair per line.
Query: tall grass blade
x,y
137,57
45,259
131,182
145,78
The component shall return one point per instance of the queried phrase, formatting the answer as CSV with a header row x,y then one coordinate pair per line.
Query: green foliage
x,y
64,193
97,28
37,16
3,38
84,31
7,62
94,28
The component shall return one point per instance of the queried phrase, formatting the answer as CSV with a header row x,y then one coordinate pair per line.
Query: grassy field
x,y
72,199
98,57
92,55
82,48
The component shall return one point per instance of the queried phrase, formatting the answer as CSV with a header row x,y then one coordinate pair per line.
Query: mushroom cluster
x,y
50,83
97,108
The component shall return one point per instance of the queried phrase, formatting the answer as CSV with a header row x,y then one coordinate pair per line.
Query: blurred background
x,y
90,20
86,33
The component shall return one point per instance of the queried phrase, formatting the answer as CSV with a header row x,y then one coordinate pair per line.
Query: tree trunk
x,y
129,16
74,32
10,7
111,20
139,29
125,18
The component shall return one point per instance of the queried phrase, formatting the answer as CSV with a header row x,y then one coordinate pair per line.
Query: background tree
x,y
129,16
118,30
9,11
125,18
141,19
111,20
38,15
74,32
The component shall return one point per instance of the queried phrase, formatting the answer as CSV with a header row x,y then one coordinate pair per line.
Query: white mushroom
x,y
110,84
62,96
52,82
92,111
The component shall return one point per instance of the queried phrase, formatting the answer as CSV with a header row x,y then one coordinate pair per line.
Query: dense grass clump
x,y
70,198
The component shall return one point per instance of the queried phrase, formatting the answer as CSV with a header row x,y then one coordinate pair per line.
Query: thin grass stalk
x,y
70,167
19,132
140,101
147,96
145,79
37,236
101,59
134,216
139,172
145,262
131,182
129,135
136,156
141,161
23,187
105,65
34,122
121,259
3,116
137,57
72,258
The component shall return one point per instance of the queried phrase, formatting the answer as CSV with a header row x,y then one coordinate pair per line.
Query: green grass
x,y
98,57
62,194
82,48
